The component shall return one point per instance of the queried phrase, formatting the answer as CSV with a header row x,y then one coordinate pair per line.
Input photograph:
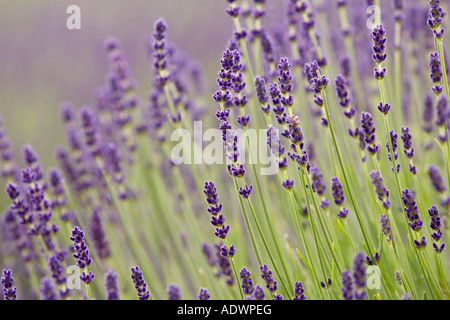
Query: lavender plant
x,y
354,121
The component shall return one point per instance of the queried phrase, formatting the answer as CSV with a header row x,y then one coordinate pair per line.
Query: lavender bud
x,y
47,289
173,292
204,294
111,285
299,291
139,283
9,291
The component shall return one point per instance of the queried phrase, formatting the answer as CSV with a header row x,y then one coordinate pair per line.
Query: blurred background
x,y
42,63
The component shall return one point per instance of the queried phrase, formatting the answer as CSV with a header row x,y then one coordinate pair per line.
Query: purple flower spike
x,y
379,44
436,73
393,137
295,132
342,91
428,113
337,191
411,209
347,286
407,143
9,291
420,245
436,179
47,289
12,191
435,225
385,227
437,248
343,213
261,93
56,269
211,192
246,191
435,16
99,241
380,189
204,294
214,209
318,185
173,292
405,296
111,285
258,293
299,291
81,250
87,277
359,276
285,77
368,129
384,109
139,283
288,184
443,111
266,274
247,284
222,232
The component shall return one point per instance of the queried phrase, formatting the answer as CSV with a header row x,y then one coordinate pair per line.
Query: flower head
x,y
246,281
204,294
266,274
139,283
368,129
173,292
9,291
411,209
299,291
347,286
81,253
359,276
379,44
47,289
111,285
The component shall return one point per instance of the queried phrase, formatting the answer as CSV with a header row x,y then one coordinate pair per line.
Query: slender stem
x,y
346,180
234,271
266,246
444,277
247,223
314,229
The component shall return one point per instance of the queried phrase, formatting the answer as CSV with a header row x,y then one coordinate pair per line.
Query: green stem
x,y
346,180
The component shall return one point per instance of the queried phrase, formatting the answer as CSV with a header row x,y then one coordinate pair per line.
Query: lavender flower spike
x,y
435,225
337,192
411,209
385,227
347,286
380,189
266,274
173,292
81,251
47,289
246,282
139,283
9,291
379,47
299,291
359,276
436,179
204,294
368,129
111,285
